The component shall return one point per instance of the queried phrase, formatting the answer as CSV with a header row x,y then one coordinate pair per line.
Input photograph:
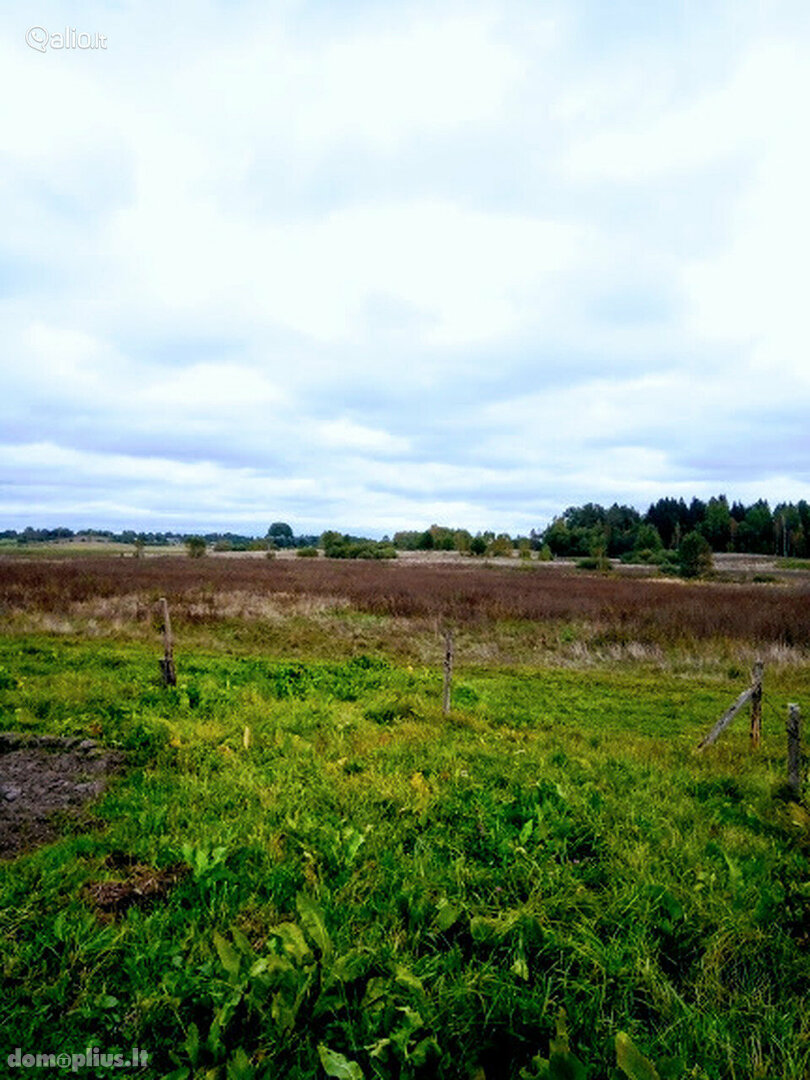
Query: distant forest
x,y
755,529
580,531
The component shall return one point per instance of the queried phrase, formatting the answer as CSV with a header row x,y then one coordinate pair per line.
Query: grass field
x,y
306,870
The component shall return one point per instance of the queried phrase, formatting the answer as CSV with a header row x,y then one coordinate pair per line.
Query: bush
x,y
694,556
195,545
588,563
337,546
593,562
307,552
501,546
649,557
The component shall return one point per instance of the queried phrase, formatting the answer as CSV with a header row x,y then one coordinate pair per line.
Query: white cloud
x,y
343,434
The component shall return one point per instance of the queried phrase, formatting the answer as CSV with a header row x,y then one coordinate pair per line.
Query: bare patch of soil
x,y
141,885
44,779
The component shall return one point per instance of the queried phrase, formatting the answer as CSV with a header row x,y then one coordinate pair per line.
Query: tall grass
x,y
624,609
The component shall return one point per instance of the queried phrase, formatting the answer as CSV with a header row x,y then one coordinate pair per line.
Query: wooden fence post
x,y
756,705
725,719
167,663
448,670
794,750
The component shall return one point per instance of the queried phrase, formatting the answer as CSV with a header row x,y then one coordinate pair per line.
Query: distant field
x,y
252,593
307,870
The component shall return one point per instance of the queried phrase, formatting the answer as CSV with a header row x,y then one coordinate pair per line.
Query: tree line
x,y
581,532
621,530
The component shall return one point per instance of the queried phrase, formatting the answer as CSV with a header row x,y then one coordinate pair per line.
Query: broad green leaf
x,y
446,916
409,981
412,1021
538,1070
192,1043
561,1045
562,1064
426,1050
283,1010
241,942
214,1039
631,1061
351,965
484,930
239,1067
293,941
353,840
521,968
228,956
565,1067
376,991
377,1049
271,970
411,1018
338,1066
313,922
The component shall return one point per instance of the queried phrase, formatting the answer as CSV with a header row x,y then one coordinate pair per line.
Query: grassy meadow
x,y
307,870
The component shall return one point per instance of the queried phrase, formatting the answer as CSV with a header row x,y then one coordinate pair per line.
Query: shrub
x,y
593,562
588,563
501,546
195,546
337,546
307,552
694,556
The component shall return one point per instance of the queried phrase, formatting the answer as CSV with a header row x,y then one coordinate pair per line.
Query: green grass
x,y
371,883
793,564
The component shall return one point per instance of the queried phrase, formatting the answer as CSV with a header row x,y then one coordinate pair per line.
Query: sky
x,y
371,264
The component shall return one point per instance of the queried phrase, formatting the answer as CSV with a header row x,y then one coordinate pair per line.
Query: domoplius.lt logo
x,y
92,1058
41,39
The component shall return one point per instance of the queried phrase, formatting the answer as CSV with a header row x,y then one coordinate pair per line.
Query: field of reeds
x,y
306,869
649,611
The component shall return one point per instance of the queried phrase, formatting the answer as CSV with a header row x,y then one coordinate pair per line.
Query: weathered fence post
x,y
167,663
794,750
725,719
448,670
752,694
756,705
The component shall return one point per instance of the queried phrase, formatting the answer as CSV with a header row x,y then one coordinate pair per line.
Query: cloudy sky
x,y
371,264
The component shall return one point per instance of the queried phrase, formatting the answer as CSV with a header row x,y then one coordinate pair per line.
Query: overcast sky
x,y
373,265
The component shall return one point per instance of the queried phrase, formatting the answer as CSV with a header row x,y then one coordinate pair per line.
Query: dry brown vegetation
x,y
212,590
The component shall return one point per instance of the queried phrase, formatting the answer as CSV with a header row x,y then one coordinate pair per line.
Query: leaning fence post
x,y
756,705
726,719
448,670
167,663
794,749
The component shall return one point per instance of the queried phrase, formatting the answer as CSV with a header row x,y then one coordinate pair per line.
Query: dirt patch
x,y
43,780
139,886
